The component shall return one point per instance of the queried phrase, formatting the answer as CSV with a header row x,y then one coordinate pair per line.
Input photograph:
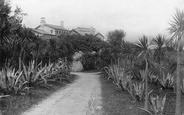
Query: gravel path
x,y
83,97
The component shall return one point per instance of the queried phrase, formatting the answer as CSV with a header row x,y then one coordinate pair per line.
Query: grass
x,y
118,102
15,105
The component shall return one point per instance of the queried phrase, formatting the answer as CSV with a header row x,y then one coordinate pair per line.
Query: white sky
x,y
135,17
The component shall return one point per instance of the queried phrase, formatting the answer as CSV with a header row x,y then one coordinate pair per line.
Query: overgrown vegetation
x,y
136,67
28,61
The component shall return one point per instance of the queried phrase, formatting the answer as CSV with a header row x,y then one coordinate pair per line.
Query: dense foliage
x,y
28,60
158,61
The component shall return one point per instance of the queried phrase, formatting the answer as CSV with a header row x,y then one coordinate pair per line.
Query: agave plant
x,y
48,70
32,73
139,91
142,74
167,81
124,81
10,80
118,76
153,78
156,105
112,72
106,70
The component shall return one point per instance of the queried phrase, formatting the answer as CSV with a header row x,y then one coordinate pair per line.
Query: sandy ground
x,y
83,97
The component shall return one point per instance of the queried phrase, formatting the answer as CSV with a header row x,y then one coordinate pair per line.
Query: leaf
x,y
163,103
146,111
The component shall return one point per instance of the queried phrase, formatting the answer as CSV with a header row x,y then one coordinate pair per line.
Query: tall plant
x,y
115,39
177,32
128,54
142,47
159,45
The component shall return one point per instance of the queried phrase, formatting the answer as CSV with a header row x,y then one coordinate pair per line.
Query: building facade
x,y
45,29
83,31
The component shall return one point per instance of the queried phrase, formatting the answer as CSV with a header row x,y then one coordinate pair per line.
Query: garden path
x,y
83,97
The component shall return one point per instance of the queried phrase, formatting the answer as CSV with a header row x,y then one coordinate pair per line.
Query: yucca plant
x,y
177,31
167,81
156,105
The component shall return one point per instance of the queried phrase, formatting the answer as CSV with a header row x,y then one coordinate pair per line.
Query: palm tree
x,y
25,37
128,54
38,49
159,45
177,32
142,47
115,39
53,50
5,29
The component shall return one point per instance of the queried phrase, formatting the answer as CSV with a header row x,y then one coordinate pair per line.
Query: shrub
x,y
156,105
88,61
139,91
167,81
10,81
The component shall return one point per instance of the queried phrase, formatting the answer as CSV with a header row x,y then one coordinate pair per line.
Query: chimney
x,y
42,22
93,30
62,24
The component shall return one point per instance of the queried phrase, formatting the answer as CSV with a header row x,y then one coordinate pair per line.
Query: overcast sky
x,y
135,17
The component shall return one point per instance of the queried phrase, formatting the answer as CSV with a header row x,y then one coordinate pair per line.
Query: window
x,y
51,31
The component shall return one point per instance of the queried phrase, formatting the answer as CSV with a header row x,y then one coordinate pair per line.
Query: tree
x,y
128,53
9,24
115,39
25,36
38,49
142,47
5,29
177,32
159,45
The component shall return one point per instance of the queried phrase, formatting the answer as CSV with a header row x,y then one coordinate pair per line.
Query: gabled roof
x,y
99,34
41,31
53,26
75,32
84,29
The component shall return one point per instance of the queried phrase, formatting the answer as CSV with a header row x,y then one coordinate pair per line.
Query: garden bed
x,y
14,105
118,102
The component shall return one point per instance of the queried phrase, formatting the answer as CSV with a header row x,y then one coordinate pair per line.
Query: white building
x,y
83,31
49,29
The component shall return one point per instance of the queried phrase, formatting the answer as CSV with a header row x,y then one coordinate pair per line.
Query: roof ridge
x,y
41,31
55,26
